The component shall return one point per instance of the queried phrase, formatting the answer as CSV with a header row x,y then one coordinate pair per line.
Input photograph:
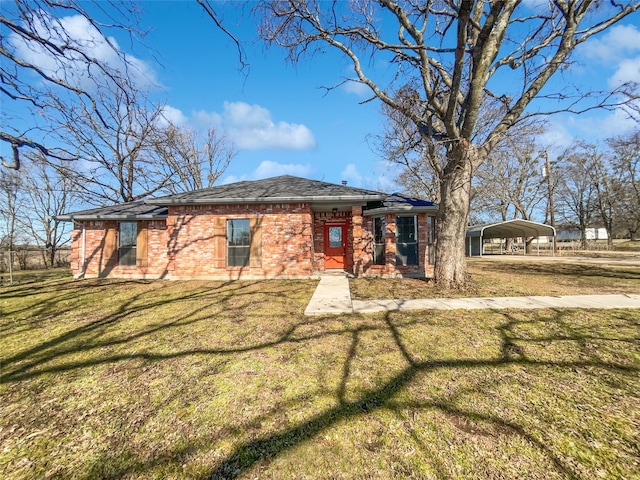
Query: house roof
x,y
398,203
511,229
123,211
282,189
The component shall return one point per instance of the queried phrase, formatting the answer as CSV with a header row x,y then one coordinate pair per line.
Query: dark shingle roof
x,y
124,211
285,189
398,203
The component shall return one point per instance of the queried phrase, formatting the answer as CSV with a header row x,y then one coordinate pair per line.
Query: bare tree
x,y
607,189
576,191
11,207
120,160
47,194
444,55
509,181
193,161
626,165
44,63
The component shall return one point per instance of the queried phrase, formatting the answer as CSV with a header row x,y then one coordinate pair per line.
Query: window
x,y
406,241
431,236
127,243
335,237
238,242
378,241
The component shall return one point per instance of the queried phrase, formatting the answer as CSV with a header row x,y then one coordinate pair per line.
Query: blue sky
x,y
279,117
283,122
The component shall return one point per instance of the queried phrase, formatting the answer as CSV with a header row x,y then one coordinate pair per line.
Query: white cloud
x,y
206,119
352,175
615,53
356,88
556,136
382,176
268,168
597,127
75,30
618,42
251,127
171,115
628,71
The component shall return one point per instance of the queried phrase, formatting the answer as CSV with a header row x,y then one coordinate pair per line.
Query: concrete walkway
x,y
332,296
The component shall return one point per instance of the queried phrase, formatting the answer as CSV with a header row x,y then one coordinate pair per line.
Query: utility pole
x,y
550,207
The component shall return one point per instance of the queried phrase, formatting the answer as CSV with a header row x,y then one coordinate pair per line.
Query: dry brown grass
x,y
133,379
504,278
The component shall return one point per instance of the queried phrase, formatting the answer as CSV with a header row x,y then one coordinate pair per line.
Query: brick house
x,y
281,227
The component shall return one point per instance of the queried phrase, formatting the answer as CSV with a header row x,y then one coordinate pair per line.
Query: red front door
x,y
335,245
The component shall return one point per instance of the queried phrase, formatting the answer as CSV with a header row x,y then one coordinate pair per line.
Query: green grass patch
x,y
138,379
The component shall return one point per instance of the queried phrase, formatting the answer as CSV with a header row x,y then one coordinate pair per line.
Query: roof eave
x,y
72,218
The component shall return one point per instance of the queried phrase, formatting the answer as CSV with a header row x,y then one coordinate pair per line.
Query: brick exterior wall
x,y
102,261
364,265
287,242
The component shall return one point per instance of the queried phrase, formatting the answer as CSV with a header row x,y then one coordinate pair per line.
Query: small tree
x,y
11,207
509,181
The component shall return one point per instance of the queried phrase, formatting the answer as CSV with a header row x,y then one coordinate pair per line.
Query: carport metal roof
x,y
511,229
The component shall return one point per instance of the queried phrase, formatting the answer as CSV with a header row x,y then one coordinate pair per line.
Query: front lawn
x,y
508,278
136,379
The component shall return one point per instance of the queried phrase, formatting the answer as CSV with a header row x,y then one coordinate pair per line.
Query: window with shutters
x,y
238,242
127,239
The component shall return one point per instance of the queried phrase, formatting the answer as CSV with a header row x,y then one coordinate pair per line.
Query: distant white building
x,y
567,235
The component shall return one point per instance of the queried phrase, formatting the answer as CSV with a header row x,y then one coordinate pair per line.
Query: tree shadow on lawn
x,y
265,449
95,334
257,451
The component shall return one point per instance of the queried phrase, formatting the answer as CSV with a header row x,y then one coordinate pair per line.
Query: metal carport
x,y
476,234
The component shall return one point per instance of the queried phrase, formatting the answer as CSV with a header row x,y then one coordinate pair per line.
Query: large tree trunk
x,y
452,219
